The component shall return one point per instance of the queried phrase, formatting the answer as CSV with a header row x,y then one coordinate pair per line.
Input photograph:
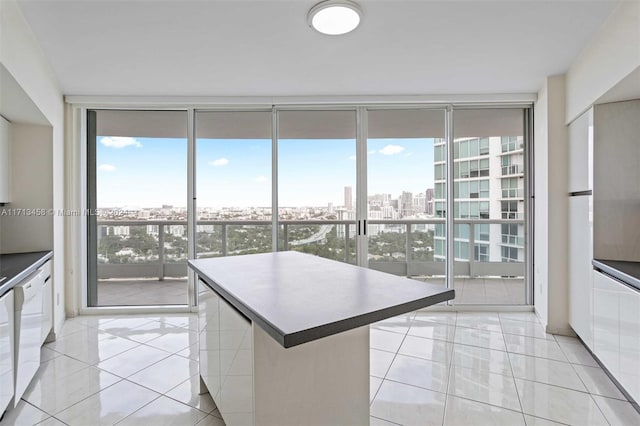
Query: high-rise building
x,y
346,215
348,198
419,203
429,195
488,183
406,204
388,212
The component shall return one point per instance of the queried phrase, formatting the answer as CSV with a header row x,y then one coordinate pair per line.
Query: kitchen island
x,y
284,337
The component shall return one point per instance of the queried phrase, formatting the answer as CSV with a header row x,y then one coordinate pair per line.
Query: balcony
x,y
512,170
153,269
513,240
513,194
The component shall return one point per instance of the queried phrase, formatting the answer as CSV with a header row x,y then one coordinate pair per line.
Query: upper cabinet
x,y
5,172
581,153
616,181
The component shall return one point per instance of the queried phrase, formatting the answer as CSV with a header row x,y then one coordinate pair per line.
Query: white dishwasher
x,y
6,350
28,330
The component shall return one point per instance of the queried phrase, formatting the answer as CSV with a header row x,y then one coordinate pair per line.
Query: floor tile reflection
x,y
427,368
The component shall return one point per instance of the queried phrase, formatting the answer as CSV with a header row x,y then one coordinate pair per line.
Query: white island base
x,y
284,336
256,381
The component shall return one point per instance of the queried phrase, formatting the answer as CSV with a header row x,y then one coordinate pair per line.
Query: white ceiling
x,y
265,48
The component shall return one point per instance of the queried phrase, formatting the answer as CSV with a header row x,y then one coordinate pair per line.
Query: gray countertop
x,y
297,298
17,266
627,272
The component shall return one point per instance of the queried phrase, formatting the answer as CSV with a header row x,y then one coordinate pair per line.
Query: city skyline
x,y
151,172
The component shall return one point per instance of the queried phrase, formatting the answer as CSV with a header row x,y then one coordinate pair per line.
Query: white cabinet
x,y
209,338
47,301
581,153
616,334
580,269
6,350
226,357
27,330
606,335
581,226
630,341
5,163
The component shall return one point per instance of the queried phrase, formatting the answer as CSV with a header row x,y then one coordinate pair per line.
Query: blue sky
x,y
149,172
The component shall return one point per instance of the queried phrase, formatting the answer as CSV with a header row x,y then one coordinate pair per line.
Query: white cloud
x,y
352,157
260,179
391,150
119,142
106,167
373,151
219,162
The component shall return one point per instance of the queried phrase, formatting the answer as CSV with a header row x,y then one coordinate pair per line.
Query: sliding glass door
x,y
405,175
433,193
489,181
233,183
137,194
317,183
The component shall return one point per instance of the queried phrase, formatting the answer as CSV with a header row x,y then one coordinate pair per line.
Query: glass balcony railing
x,y
158,249
512,193
512,170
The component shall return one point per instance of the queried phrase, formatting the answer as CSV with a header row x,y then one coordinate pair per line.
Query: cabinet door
x,y
6,350
580,153
580,269
606,329
209,338
47,310
5,163
47,300
630,341
236,366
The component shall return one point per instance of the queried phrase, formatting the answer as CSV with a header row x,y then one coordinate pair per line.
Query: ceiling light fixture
x,y
335,17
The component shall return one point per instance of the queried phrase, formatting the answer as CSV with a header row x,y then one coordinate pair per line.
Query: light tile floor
x,y
124,292
427,368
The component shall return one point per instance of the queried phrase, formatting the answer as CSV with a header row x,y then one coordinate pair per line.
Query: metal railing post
x,y
285,230
346,241
407,254
472,248
224,239
161,252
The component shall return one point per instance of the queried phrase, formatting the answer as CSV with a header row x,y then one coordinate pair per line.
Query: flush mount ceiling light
x,y
334,17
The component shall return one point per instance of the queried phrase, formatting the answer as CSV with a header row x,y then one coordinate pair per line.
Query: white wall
x,y
612,54
21,55
551,207
541,205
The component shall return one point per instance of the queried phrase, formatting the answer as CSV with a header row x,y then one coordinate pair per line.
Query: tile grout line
x,y
132,413
388,368
606,419
449,369
556,386
513,378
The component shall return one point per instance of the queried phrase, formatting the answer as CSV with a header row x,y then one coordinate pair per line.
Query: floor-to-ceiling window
x,y
137,205
489,206
406,162
233,182
317,183
396,189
